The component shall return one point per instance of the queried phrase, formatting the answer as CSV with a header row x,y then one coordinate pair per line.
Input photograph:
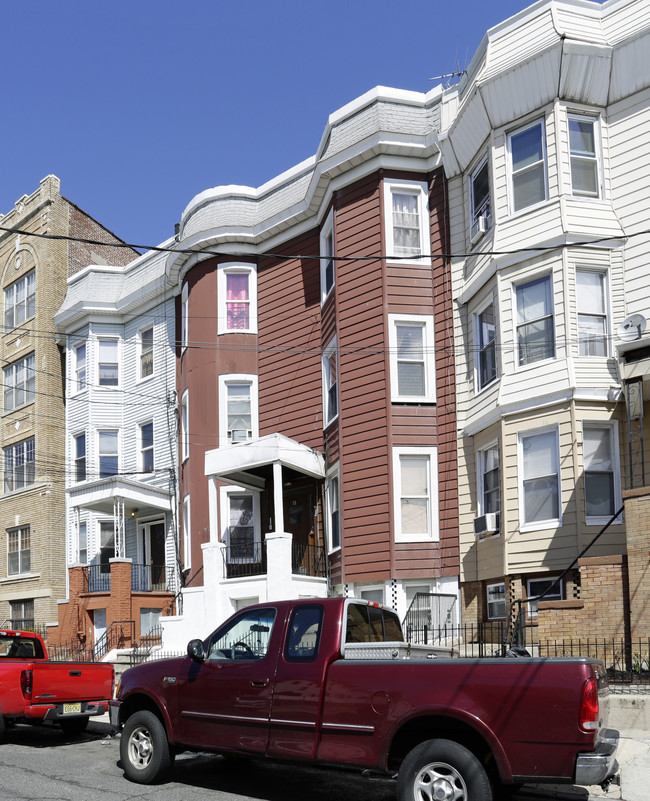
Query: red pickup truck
x,y
34,690
331,682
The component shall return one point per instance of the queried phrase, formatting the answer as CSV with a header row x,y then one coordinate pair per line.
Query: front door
x,y
226,700
153,555
99,624
299,520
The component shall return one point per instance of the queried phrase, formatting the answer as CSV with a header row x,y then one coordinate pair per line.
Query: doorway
x,y
152,548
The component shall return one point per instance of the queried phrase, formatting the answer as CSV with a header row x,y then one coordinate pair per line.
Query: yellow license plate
x,y
71,709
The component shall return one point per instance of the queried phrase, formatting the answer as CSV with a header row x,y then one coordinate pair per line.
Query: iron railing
x,y
120,634
626,661
97,578
308,560
25,624
152,578
245,559
429,616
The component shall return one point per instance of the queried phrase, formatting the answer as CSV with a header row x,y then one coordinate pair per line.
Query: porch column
x,y
118,527
278,547
278,506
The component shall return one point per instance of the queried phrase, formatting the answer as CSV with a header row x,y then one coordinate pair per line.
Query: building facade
x,y
32,504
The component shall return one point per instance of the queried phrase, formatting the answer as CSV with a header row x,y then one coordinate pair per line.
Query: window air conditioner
x,y
479,227
486,524
239,435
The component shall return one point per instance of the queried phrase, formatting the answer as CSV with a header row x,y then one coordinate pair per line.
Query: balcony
x,y
249,559
152,578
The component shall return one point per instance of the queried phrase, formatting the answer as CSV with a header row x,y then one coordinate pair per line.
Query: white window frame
x,y
558,592
28,302
481,456
77,459
420,191
224,382
327,250
117,362
23,474
224,508
330,350
118,451
223,271
142,450
80,381
595,160
612,431
538,525
433,525
142,353
424,321
185,296
82,526
332,505
25,367
481,348
483,209
541,122
185,425
603,275
187,533
517,325
500,588
20,531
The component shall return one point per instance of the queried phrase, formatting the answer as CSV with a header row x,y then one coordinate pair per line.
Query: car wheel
x,y
442,770
144,748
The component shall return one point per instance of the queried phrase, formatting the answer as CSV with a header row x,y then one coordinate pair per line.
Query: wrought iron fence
x,y
25,624
626,661
97,578
245,559
308,560
428,615
152,578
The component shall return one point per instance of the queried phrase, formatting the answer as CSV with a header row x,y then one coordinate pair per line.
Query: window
x,y
592,313
600,457
416,495
185,425
150,621
187,534
330,383
20,383
108,369
333,502
146,448
489,486
244,542
584,162
146,352
20,465
184,316
406,216
238,408
327,266
486,339
20,300
235,641
540,483
304,633
237,298
412,358
496,600
22,618
535,325
82,544
79,446
18,551
528,166
535,587
80,367
106,545
481,204
108,453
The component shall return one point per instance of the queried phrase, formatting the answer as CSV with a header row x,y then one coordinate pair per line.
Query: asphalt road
x,y
42,763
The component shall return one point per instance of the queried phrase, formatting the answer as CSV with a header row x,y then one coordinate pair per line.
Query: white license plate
x,y
71,709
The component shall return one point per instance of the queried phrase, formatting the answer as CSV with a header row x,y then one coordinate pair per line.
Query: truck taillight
x,y
26,682
589,712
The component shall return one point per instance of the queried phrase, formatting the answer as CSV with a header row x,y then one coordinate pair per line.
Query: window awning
x,y
100,495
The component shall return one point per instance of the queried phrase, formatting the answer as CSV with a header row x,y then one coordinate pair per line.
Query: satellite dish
x,y
631,328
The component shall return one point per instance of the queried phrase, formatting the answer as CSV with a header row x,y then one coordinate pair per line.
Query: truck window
x,y
13,647
246,637
303,637
371,624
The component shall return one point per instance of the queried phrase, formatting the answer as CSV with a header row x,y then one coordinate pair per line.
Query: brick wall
x,y
637,521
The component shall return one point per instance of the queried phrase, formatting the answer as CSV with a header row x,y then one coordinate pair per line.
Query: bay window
x,y
535,321
584,160
237,298
539,479
416,494
528,166
592,312
406,218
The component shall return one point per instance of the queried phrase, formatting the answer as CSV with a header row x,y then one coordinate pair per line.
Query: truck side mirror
x,y
195,650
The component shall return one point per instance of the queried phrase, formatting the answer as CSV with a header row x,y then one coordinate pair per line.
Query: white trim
x,y
617,500
327,233
333,472
237,378
185,425
598,152
139,376
118,342
538,525
243,268
490,301
433,533
487,600
425,321
325,364
187,533
107,429
516,285
141,425
480,472
185,322
541,121
603,271
420,190
224,515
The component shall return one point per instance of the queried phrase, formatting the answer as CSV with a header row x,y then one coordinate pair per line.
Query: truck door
x,y
300,676
226,700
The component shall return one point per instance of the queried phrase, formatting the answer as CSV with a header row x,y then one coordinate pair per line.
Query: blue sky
x,y
138,105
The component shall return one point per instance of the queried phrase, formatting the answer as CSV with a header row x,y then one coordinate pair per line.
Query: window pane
x,y
584,176
415,475
540,454
597,449
540,499
581,137
599,494
415,516
147,435
487,345
536,341
410,379
481,192
591,291
239,411
406,225
237,306
534,299
526,147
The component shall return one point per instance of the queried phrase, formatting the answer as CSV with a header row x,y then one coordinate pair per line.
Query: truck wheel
x,y
442,770
74,725
144,748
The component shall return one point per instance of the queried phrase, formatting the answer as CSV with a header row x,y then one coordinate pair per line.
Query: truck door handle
x,y
75,673
259,682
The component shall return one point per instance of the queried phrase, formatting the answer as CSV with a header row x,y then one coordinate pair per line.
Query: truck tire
x,y
74,725
144,748
445,770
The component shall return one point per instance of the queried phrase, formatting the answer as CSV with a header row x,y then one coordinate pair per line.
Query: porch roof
x,y
137,495
245,462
